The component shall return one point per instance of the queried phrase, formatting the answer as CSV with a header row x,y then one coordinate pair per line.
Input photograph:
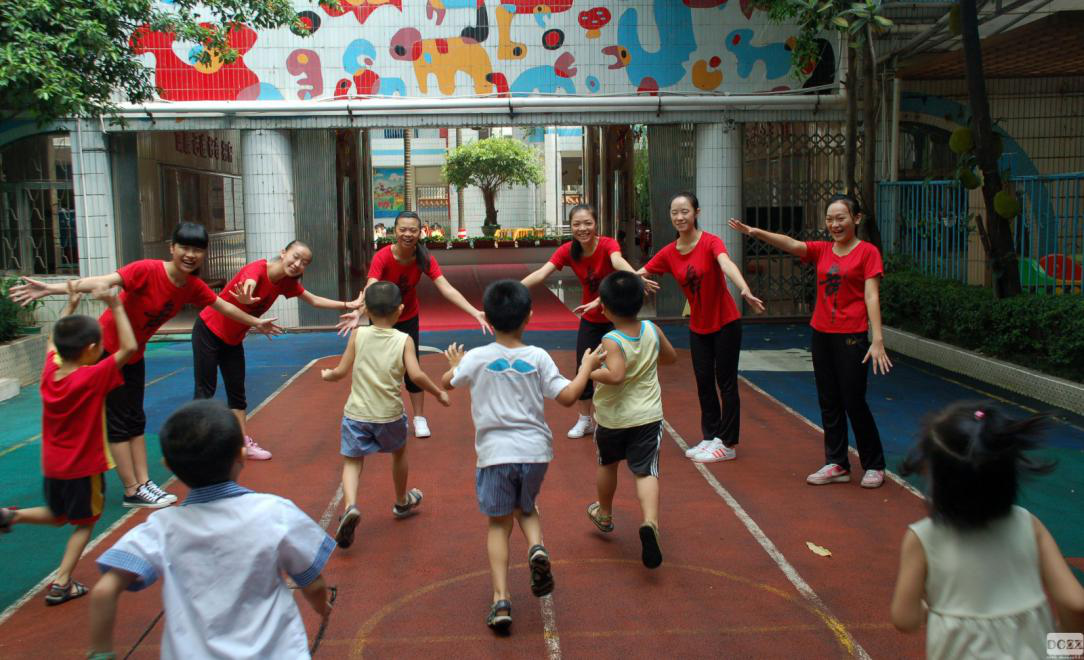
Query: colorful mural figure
x,y
706,74
306,64
650,71
443,58
362,9
540,9
547,79
178,80
776,56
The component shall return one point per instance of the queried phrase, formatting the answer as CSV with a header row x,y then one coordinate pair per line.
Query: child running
x,y
979,569
222,555
74,459
508,381
628,406
374,420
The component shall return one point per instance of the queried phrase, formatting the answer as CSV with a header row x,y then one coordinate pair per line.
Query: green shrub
x,y
1039,331
9,314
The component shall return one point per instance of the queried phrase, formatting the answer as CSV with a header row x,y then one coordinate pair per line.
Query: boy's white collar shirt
x,y
223,555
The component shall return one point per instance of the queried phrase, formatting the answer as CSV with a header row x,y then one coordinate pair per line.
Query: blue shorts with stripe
x,y
363,438
504,488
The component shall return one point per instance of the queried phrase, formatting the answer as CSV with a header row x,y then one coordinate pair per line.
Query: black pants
x,y
841,390
209,354
410,326
715,364
588,337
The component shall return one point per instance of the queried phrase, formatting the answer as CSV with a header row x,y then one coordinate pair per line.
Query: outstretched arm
x,y
103,610
667,354
345,363
265,326
619,262
420,378
613,372
780,241
454,353
591,361
32,289
539,276
452,295
327,303
733,273
351,320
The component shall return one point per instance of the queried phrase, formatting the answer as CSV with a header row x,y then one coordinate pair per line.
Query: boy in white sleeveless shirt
x,y
628,407
374,421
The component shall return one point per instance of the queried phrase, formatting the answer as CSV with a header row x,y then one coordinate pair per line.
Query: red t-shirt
x,y
701,278
150,299
590,270
73,443
841,285
231,331
406,277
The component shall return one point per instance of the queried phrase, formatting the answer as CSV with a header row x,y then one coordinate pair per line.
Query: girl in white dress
x,y
976,569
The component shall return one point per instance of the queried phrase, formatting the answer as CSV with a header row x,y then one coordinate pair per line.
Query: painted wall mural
x,y
443,48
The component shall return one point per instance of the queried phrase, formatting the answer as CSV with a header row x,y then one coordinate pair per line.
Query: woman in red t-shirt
x,y
154,292
592,258
699,262
217,340
402,263
848,305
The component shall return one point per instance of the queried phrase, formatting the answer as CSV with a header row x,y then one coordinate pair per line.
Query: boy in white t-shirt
x,y
508,381
222,555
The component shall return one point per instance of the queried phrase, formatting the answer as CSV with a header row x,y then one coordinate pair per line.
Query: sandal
x,y
649,539
604,523
413,499
541,576
500,622
61,593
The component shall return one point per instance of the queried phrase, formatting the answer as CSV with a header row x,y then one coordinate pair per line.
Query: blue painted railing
x,y
932,223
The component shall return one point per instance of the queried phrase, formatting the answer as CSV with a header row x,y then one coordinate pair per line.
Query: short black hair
x,y
507,304
190,234
72,334
382,298
200,442
973,457
623,293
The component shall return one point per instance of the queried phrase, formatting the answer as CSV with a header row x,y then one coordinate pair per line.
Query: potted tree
x,y
489,164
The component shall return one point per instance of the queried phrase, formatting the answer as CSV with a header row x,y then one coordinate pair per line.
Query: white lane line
x,y
854,452
549,613
48,579
329,512
766,543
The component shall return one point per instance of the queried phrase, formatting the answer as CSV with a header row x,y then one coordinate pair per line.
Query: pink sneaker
x,y
873,479
829,474
254,451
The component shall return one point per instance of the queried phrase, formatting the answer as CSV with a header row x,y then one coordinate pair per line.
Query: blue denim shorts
x,y
363,438
504,488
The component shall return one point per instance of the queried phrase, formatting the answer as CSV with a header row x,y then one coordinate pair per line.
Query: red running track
x,y
420,587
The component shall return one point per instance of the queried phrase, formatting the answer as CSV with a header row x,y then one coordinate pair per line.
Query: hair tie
x,y
980,415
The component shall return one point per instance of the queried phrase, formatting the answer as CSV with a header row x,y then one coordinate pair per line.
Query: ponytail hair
x,y
973,457
849,201
577,249
421,252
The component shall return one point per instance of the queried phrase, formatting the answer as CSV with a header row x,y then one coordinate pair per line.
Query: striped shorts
x,y
504,488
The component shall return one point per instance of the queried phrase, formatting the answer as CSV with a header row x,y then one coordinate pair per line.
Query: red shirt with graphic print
x,y
405,276
231,331
841,285
701,279
590,271
150,299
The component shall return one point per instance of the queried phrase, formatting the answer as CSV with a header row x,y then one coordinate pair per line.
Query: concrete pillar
x,y
718,185
552,179
267,175
93,186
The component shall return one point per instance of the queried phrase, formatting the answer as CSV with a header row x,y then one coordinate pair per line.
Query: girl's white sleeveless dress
x,y
984,590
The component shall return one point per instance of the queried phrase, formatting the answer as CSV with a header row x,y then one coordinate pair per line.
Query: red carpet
x,y
439,314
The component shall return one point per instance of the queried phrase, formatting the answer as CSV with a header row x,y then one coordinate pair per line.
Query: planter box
x,y
459,245
483,243
436,245
506,244
22,358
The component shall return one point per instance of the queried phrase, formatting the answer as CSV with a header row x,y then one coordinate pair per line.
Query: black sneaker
x,y
144,498
344,536
651,554
162,494
7,516
541,576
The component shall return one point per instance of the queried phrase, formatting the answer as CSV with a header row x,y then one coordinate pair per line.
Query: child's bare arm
x,y
318,596
345,363
125,334
103,609
667,354
614,371
908,610
1065,591
454,353
69,309
420,378
591,361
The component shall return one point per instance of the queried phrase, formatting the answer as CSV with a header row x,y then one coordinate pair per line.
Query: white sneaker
x,y
421,428
585,425
715,451
157,490
697,449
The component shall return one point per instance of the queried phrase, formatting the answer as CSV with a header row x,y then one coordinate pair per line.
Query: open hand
x,y
454,353
444,400
104,294
480,316
739,226
592,359
650,285
877,354
243,293
586,307
29,291
328,375
347,322
268,327
756,303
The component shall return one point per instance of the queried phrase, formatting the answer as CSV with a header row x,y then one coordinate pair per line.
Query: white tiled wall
x,y
718,185
93,200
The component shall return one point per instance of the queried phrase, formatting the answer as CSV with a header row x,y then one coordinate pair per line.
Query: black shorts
x,y
124,416
209,355
638,445
588,337
76,501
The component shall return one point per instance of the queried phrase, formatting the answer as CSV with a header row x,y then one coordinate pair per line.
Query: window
x,y
37,207
213,200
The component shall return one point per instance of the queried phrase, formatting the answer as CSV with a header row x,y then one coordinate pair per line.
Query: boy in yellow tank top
x,y
374,421
628,408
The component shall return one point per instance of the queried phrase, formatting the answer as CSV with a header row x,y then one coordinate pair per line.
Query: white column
x,y
93,187
718,185
267,171
551,172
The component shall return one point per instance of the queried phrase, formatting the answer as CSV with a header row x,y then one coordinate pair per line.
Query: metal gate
x,y
790,170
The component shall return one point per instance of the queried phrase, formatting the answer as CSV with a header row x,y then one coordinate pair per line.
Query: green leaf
x,y
840,22
883,21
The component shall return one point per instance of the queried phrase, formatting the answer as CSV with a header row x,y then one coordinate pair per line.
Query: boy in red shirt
x,y
74,384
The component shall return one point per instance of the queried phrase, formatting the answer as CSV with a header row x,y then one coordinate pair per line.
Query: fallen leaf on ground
x,y
818,550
